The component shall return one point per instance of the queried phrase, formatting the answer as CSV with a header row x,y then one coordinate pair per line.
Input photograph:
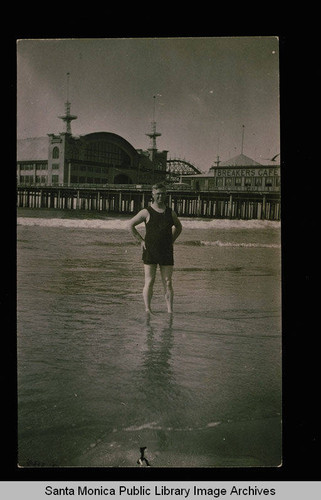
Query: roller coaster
x,y
177,167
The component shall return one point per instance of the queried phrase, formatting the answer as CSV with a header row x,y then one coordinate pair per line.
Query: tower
x,y
67,117
152,135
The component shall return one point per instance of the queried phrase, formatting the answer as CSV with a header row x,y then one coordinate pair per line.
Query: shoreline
x,y
227,444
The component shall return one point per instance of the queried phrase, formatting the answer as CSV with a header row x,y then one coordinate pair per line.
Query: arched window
x,y
55,152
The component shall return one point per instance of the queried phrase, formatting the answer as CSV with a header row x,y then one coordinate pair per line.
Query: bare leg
x,y
150,273
166,273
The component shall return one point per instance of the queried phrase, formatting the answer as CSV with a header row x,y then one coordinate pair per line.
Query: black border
x,y
301,435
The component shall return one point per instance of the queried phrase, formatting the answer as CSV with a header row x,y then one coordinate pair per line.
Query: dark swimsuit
x,y
158,238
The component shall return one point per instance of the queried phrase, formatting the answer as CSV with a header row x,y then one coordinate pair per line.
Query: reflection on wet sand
x,y
157,384
156,371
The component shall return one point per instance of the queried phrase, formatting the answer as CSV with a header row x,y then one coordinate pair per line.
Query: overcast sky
x,y
206,89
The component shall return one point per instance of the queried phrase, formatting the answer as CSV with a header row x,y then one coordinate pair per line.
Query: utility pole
x,y
242,138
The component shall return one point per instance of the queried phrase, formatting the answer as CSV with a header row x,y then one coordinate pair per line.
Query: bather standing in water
x,y
162,229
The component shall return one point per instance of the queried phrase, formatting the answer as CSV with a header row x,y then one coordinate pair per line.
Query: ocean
x,y
97,380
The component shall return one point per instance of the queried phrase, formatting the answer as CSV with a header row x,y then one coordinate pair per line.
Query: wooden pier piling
x,y
131,199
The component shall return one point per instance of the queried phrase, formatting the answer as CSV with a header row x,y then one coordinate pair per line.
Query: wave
x,y
73,223
218,243
238,244
208,269
210,425
121,224
156,426
230,224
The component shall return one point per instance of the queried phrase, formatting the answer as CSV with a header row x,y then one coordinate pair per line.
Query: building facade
x,y
94,159
240,174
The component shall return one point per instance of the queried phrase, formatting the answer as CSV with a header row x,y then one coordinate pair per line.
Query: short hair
x,y
159,185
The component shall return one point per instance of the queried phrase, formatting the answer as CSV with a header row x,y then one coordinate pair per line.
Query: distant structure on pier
x,y
97,158
153,135
236,175
68,117
104,158
176,167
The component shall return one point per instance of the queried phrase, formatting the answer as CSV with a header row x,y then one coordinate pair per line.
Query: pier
x,y
129,199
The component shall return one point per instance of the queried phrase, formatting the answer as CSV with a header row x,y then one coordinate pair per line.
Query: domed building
x,y
97,158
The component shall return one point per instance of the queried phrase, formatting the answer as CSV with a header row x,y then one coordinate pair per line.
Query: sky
x,y
206,88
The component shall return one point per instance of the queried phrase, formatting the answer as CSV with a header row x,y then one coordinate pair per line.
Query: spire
x,y
153,134
67,117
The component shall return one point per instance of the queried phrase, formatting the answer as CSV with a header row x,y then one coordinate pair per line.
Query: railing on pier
x,y
129,199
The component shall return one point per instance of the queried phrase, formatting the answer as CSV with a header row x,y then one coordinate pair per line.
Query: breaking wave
x,y
121,224
238,244
218,243
156,426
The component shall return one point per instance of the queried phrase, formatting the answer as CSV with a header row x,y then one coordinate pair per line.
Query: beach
x,y
97,380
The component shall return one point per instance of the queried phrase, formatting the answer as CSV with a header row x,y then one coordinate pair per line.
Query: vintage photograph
x,y
149,252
